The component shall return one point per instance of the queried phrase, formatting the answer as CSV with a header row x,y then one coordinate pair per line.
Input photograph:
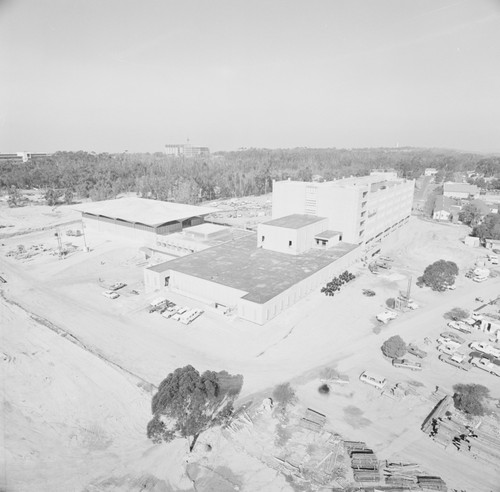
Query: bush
x,y
324,389
469,398
391,303
439,275
457,314
284,395
394,347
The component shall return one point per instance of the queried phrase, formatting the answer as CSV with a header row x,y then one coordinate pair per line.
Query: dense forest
x,y
223,174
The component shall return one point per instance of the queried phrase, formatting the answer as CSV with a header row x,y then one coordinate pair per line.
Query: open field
x,y
121,349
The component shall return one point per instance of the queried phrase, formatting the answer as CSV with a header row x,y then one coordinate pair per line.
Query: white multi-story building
x,y
186,150
365,209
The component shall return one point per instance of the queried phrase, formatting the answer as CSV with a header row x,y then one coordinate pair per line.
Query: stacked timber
x,y
364,463
313,420
437,412
401,474
431,483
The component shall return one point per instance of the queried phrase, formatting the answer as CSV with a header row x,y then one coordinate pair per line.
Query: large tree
x,y
394,347
470,215
439,275
489,228
470,398
188,403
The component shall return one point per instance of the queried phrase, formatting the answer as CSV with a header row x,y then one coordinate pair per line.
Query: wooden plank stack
x,y
431,483
401,474
313,420
364,463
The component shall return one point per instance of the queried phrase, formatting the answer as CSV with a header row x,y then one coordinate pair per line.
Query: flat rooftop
x,y
294,221
262,273
328,234
143,211
207,228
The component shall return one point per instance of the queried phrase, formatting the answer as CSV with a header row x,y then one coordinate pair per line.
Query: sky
x,y
116,75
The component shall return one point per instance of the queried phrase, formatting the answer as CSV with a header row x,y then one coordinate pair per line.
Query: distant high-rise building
x,y
22,156
186,150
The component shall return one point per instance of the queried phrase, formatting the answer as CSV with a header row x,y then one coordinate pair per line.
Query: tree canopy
x,y
470,215
469,398
221,175
439,275
394,347
489,228
188,403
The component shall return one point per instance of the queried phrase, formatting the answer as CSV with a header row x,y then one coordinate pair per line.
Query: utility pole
x,y
59,242
84,238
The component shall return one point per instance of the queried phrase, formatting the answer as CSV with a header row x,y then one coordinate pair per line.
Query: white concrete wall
x,y
261,313
204,290
343,208
116,230
288,198
278,238
387,207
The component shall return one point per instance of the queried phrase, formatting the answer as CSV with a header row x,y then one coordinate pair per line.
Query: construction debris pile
x,y
409,476
23,253
451,429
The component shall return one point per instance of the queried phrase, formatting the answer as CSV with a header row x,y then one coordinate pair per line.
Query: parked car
x,y
373,379
457,359
407,364
460,326
452,336
412,304
414,350
117,286
485,348
110,294
448,348
486,365
386,316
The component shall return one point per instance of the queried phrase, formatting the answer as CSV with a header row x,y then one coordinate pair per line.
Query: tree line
x,y
222,175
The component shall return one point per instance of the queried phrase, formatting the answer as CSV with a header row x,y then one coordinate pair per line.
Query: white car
x,y
485,348
448,341
412,305
110,294
460,326
386,316
447,348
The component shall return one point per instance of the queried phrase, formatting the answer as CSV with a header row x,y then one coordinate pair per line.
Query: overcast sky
x,y
115,75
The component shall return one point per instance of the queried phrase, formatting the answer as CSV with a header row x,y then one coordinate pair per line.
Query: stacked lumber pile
x,y
431,483
482,442
437,412
401,474
364,463
313,420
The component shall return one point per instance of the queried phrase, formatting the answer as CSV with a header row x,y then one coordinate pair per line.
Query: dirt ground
x,y
81,400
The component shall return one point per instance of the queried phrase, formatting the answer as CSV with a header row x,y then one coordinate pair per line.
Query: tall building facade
x,y
186,150
365,209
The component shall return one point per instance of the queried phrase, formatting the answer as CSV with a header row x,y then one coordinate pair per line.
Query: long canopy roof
x,y
144,211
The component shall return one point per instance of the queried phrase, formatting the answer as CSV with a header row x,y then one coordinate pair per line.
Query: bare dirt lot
x,y
80,402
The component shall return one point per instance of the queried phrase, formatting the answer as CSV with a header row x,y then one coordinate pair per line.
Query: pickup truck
x,y
485,349
117,286
407,364
448,341
486,365
414,350
386,316
448,335
457,360
460,326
